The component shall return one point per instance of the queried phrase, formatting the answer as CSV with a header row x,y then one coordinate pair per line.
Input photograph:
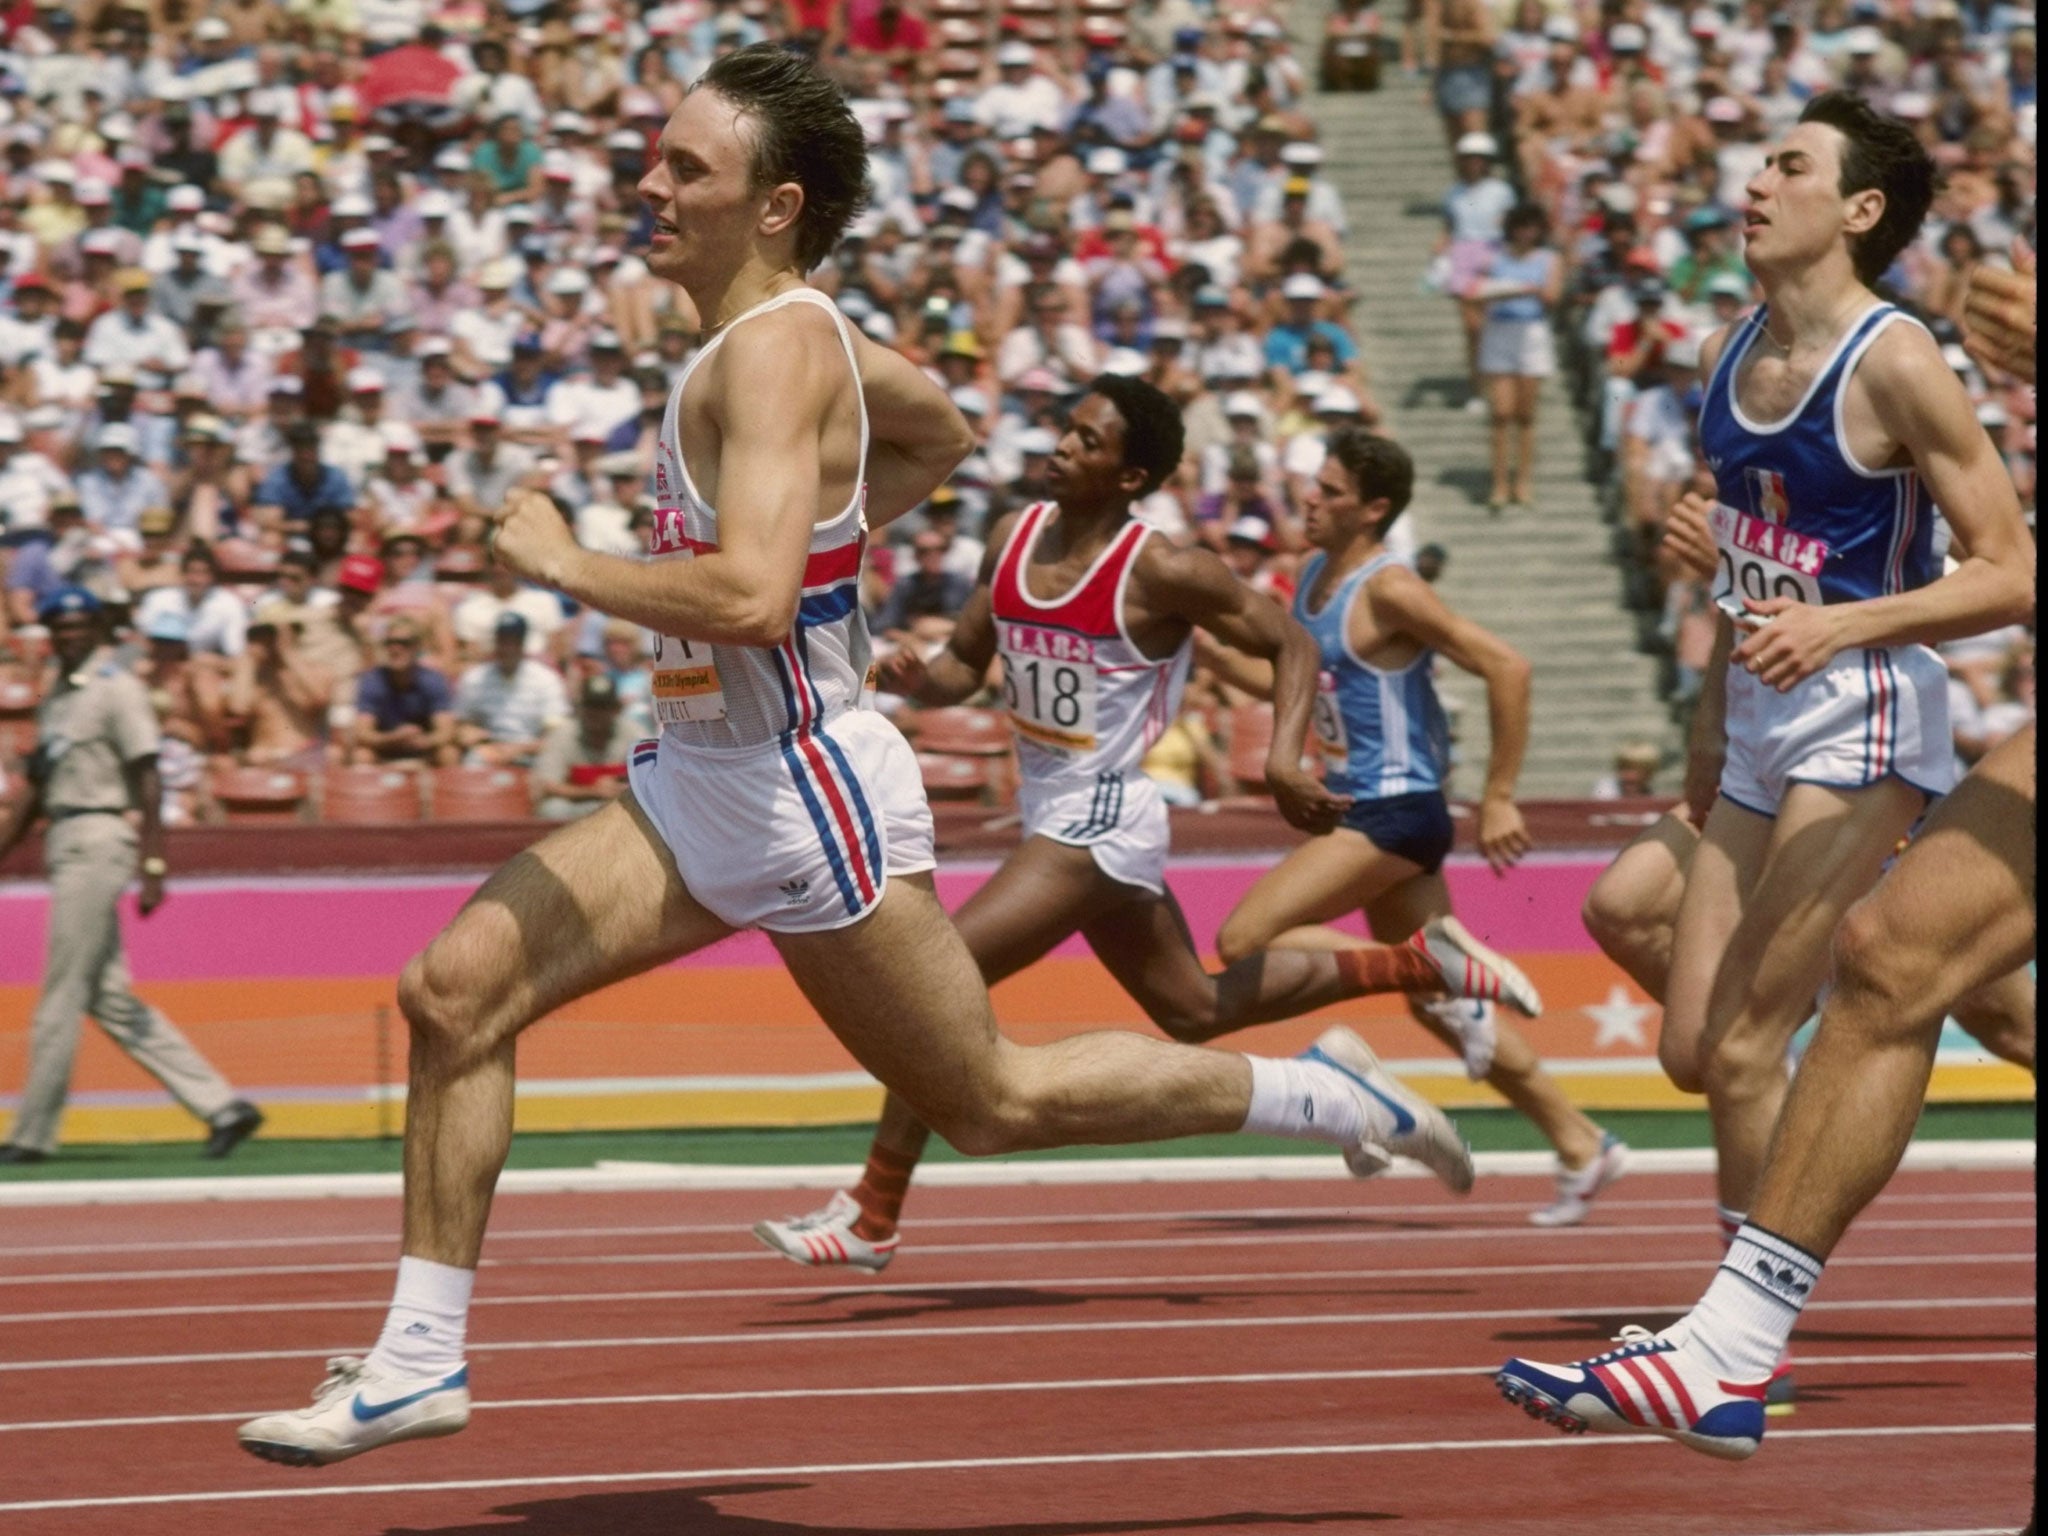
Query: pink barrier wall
x,y
315,927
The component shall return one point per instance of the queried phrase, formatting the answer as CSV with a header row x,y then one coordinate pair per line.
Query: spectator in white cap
x,y
118,488
134,336
275,292
1245,417
267,151
1287,342
600,398
397,491
180,293
439,403
354,440
483,336
363,296
1023,100
1302,159
29,481
1049,338
480,475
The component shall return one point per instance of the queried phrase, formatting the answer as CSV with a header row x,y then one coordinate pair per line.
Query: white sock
x,y
1730,1223
1743,1323
425,1330
1310,1102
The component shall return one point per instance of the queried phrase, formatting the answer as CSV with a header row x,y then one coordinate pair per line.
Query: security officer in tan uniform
x,y
95,760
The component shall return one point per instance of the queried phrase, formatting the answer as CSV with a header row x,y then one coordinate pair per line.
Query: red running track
x,y
1092,1360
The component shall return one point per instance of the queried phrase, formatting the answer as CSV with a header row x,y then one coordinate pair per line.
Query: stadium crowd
x,y
292,291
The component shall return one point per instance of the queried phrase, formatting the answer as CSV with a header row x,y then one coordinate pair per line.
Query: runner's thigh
x,y
591,903
902,993
1323,878
1957,910
1043,892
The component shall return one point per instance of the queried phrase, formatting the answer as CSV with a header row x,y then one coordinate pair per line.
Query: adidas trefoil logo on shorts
x,y
796,893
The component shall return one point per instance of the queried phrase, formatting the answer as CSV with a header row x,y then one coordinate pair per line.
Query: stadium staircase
x,y
1547,578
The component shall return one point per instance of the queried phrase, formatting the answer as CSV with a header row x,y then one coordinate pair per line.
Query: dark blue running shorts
x,y
1414,827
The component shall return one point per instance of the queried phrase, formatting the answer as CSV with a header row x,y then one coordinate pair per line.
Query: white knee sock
x,y
1729,1223
1310,1102
424,1331
1743,1323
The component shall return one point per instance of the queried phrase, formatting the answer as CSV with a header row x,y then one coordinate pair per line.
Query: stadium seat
x,y
1251,738
258,794
963,731
481,794
952,778
361,796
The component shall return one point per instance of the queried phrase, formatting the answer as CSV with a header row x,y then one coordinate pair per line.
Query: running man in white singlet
x,y
775,797
1831,424
1094,618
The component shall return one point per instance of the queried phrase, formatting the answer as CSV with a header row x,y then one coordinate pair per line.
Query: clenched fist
x,y
530,536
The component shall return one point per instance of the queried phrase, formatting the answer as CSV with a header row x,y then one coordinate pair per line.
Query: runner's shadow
x,y
896,1306
692,1512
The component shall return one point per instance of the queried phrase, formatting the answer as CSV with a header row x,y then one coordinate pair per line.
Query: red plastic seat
x,y
255,794
482,794
952,778
370,795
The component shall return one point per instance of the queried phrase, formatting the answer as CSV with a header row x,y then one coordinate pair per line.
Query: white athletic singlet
x,y
1084,699
742,696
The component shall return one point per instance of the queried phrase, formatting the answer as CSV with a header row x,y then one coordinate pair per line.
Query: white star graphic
x,y
1619,1020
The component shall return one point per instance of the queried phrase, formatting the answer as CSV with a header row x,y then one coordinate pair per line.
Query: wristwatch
x,y
155,867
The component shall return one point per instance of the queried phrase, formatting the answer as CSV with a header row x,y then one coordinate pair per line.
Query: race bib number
x,y
1049,685
1761,560
686,686
1328,721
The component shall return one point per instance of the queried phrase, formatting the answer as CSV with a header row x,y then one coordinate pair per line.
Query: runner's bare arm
x,y
745,592
1403,602
1706,748
956,670
917,436
1194,585
1998,314
1922,406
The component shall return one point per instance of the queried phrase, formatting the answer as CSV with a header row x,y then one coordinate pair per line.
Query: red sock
x,y
883,1184
1389,968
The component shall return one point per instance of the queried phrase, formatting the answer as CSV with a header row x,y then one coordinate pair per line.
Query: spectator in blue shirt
x,y
118,489
404,712
1287,343
302,485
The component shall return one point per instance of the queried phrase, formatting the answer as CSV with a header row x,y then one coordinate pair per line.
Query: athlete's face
x,y
1796,211
707,210
1087,465
1331,514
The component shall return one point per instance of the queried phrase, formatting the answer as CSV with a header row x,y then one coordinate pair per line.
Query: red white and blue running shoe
x,y
1654,1382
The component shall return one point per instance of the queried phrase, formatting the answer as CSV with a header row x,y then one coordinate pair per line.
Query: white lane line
x,y
972,1464
855,1334
1353,1212
843,1287
1809,1366
756,1254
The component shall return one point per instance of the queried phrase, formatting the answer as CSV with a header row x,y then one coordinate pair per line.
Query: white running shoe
x,y
1470,969
1421,1130
1472,1022
357,1409
1576,1187
826,1238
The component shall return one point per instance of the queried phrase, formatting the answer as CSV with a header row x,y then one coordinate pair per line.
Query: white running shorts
x,y
1120,818
1865,716
794,838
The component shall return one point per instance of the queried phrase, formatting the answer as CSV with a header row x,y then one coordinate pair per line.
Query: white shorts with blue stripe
x,y
1120,818
1867,715
795,836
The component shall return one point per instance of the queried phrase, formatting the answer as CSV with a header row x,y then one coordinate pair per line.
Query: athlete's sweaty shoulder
x,y
1190,584
790,355
1712,348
